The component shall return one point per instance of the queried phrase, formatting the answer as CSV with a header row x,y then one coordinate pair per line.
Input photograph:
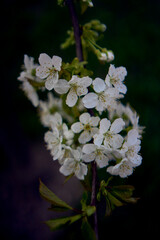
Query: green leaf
x,y
48,195
84,7
59,223
114,200
108,207
87,231
90,210
124,192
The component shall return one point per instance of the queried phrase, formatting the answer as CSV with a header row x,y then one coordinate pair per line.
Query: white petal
x,y
81,171
31,93
48,137
74,80
57,62
28,62
77,127
88,148
136,161
99,85
111,70
115,141
121,87
68,167
44,59
77,154
71,98
85,81
132,137
104,125
102,160
112,170
93,121
50,82
57,120
107,81
117,125
90,100
121,72
89,157
81,91
125,168
84,118
100,106
84,137
42,72
62,86
98,139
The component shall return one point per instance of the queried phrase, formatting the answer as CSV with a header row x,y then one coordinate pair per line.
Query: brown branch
x,y
79,53
76,29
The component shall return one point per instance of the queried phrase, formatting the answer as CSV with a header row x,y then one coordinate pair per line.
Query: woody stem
x,y
79,53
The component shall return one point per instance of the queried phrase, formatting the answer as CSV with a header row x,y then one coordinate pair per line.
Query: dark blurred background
x,y
32,27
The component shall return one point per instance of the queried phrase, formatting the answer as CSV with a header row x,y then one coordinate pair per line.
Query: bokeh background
x,y
32,27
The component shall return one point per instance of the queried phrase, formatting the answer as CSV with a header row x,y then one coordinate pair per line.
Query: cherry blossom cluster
x,y
102,129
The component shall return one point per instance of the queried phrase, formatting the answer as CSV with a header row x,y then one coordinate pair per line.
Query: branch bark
x,y
79,53
76,29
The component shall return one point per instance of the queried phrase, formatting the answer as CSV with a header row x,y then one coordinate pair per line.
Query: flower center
x,y
87,127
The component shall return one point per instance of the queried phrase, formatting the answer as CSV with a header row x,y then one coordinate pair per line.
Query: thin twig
x,y
93,196
79,53
76,29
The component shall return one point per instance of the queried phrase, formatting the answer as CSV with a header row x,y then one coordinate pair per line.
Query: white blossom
x,y
110,56
74,164
48,108
123,169
77,87
104,97
129,155
27,75
116,77
56,121
54,143
129,115
88,125
29,67
131,148
98,153
103,56
48,69
30,93
68,134
108,133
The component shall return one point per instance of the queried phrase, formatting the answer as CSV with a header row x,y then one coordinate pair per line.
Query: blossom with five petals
x,y
115,77
74,164
98,153
54,143
108,133
104,97
123,169
88,125
77,87
48,69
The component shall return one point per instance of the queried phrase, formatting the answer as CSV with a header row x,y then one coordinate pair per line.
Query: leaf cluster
x,y
59,205
115,196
